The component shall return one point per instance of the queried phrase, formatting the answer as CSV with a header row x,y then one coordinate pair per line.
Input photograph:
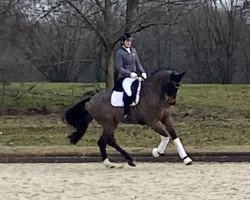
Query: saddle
x,y
118,93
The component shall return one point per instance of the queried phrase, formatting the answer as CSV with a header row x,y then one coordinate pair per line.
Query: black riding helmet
x,y
126,36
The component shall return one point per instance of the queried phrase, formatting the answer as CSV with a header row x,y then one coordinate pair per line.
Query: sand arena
x,y
148,181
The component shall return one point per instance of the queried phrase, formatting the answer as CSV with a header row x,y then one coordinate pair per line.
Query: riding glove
x,y
133,75
144,75
140,79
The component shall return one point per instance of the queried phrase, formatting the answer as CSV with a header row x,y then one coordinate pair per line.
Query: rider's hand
x,y
133,75
144,75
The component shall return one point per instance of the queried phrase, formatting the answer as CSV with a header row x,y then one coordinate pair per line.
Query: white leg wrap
x,y
108,164
187,161
155,153
161,148
181,151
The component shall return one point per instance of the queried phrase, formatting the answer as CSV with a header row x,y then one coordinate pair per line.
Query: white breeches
x,y
126,84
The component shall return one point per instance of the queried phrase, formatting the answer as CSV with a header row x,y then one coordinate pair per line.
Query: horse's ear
x,y
183,74
177,77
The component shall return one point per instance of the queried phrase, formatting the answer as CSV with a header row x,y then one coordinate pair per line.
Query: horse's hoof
x,y
108,164
187,161
155,152
131,163
72,139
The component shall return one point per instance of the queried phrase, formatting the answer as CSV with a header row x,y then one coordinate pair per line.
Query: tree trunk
x,y
130,14
109,66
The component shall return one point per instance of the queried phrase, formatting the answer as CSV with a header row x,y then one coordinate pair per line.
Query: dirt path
x,y
148,181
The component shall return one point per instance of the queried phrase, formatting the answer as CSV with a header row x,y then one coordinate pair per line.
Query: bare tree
x,y
108,19
59,46
9,54
213,41
64,39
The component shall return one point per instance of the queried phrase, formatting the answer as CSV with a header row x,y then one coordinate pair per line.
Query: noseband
x,y
177,85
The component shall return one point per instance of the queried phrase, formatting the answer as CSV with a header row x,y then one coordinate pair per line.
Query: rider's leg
x,y
126,101
127,97
126,85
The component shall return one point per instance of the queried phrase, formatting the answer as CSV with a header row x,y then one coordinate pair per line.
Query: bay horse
x,y
157,94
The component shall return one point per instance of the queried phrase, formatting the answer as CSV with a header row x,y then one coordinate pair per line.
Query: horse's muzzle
x,y
172,100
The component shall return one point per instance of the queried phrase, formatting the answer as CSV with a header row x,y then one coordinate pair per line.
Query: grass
x,y
205,117
234,98
24,95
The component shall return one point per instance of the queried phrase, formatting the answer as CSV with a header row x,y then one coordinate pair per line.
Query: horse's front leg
x,y
181,151
159,128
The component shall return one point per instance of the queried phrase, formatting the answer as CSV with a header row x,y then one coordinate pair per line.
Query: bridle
x,y
172,88
177,85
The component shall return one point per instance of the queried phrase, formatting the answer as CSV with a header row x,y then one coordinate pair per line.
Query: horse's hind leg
x,y
108,138
113,143
102,143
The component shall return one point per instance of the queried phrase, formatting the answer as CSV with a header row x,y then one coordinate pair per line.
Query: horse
x,y
158,93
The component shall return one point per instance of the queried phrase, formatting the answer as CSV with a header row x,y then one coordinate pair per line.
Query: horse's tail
x,y
79,118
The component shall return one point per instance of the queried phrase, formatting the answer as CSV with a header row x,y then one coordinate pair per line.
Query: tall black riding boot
x,y
127,110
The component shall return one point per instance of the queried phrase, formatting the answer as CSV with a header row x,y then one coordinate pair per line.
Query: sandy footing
x,y
147,181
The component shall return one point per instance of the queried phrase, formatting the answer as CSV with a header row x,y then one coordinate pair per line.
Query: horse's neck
x,y
151,92
152,86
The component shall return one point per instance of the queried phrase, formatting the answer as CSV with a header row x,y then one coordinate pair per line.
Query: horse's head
x,y
167,82
172,85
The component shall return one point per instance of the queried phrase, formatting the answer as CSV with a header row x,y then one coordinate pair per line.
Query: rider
x,y
128,65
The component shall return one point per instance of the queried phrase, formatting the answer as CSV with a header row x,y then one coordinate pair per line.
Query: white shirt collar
x,y
128,49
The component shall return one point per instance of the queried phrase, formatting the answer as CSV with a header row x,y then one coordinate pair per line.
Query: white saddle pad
x,y
117,98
